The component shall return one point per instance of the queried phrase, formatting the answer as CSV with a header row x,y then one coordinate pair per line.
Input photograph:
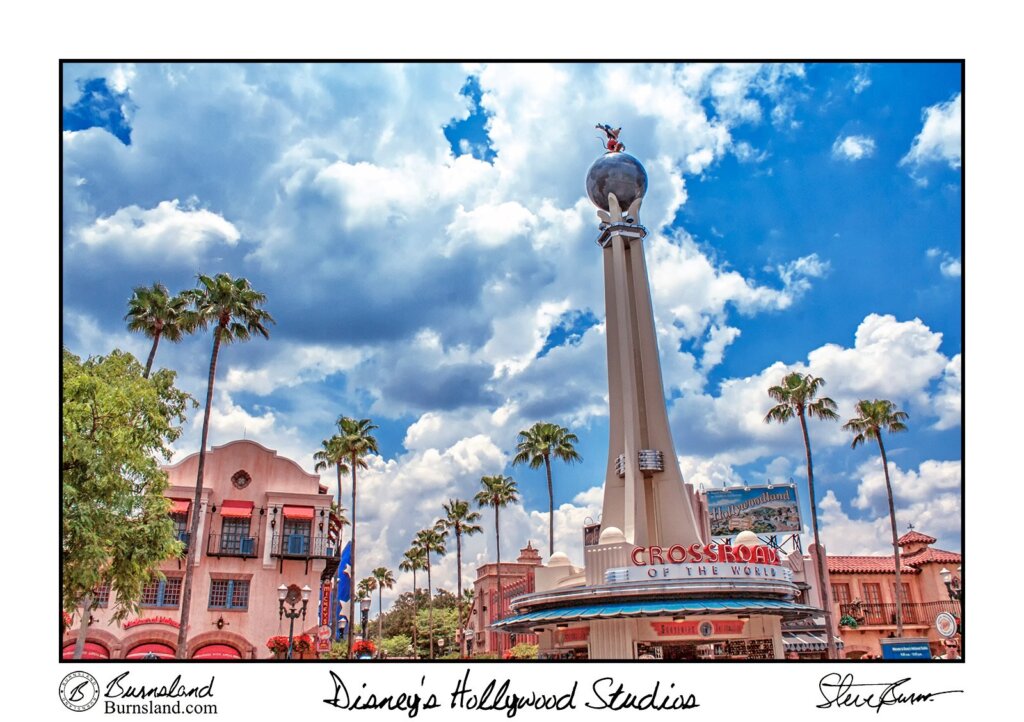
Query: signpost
x,y
905,648
323,638
946,625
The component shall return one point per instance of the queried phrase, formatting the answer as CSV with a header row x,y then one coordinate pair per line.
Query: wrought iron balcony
x,y
302,546
233,545
884,615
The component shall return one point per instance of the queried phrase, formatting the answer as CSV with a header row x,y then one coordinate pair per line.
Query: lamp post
x,y
440,644
364,610
292,594
342,625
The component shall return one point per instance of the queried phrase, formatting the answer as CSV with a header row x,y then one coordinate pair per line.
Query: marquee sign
x,y
325,603
713,553
697,572
128,624
700,628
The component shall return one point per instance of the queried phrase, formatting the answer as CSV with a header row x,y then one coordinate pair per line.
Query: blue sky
x,y
424,239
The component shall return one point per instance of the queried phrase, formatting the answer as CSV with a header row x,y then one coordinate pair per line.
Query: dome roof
x,y
746,539
559,559
611,535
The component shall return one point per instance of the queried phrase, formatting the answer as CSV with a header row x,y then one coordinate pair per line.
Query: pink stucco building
x,y
264,521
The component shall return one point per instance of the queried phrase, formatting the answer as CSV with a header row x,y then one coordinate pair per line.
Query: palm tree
x,y
385,580
154,312
796,397
877,416
356,441
536,446
332,454
413,559
431,541
460,521
233,307
498,491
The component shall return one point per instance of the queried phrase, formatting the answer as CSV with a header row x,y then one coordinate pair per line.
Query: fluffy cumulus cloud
x,y
949,265
939,139
420,287
853,147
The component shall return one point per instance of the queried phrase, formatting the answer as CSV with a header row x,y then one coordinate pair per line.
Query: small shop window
x,y
101,595
296,536
229,594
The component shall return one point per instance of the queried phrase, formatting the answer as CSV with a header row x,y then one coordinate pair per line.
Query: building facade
x,y
516,578
864,595
264,522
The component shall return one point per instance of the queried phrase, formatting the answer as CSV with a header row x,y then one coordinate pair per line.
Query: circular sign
x,y
945,623
79,691
706,629
324,632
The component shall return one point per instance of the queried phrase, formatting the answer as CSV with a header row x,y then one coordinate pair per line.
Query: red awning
x,y
160,651
236,509
180,506
217,651
298,512
91,651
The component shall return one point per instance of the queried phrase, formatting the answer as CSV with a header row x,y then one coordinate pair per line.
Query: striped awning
x,y
657,609
91,650
180,506
217,651
151,651
236,509
808,641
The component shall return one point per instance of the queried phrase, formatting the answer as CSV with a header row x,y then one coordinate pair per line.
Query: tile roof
x,y
915,537
885,565
866,565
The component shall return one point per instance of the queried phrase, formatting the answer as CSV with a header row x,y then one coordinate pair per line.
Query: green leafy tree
x,y
397,645
385,580
797,398
524,651
413,560
460,520
332,453
498,492
536,446
234,308
433,628
157,314
115,526
356,442
874,418
431,541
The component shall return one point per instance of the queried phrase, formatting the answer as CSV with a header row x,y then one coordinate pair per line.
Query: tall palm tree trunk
x,y
430,603
497,542
895,540
380,614
334,581
152,354
458,561
822,576
551,508
415,613
83,627
193,541
352,564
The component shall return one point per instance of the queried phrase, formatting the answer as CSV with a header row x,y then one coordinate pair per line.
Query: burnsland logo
x,y
79,691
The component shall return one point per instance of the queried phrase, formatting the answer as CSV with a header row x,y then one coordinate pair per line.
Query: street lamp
x,y
292,594
440,643
342,625
956,593
364,609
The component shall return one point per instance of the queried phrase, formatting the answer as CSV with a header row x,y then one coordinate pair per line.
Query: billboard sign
x,y
760,509
905,648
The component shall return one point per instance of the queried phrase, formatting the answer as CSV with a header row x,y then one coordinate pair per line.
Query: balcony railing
x,y
884,615
302,546
232,545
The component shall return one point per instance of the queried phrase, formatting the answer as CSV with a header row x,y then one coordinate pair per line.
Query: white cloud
x,y
948,402
949,265
168,229
939,139
929,481
853,147
746,153
861,80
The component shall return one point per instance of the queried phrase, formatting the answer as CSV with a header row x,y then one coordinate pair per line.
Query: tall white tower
x,y
644,495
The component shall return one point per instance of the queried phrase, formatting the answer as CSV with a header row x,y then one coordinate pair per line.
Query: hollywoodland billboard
x,y
760,509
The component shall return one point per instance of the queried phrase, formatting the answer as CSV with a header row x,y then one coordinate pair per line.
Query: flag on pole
x,y
345,573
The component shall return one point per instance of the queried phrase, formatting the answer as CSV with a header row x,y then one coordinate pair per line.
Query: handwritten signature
x,y
840,690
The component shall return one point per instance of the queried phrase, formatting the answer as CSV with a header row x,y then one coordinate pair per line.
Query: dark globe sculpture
x,y
618,173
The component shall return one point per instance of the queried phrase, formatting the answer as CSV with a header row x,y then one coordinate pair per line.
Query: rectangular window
x,y
841,593
229,594
162,593
101,594
908,609
180,527
296,536
233,532
874,613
